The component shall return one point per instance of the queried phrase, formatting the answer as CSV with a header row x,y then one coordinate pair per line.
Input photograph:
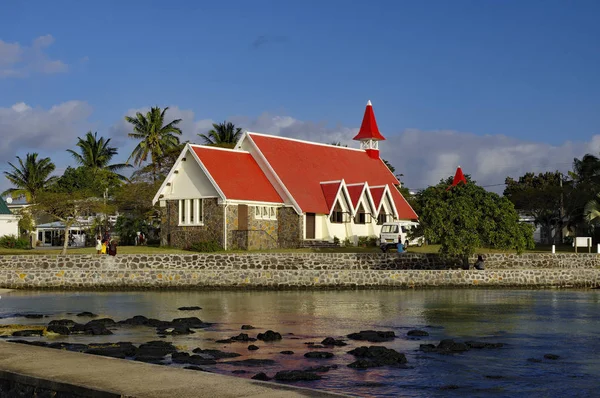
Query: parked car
x,y
394,232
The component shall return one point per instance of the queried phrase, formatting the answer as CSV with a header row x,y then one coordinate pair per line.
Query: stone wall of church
x,y
175,235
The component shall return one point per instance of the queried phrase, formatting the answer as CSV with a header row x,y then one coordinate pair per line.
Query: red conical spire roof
x,y
458,178
368,129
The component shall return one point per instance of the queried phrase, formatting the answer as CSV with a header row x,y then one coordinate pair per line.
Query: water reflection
x,y
530,322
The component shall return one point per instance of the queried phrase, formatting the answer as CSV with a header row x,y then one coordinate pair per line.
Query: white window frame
x,y
186,207
265,212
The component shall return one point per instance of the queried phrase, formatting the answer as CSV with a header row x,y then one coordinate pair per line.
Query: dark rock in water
x,y
320,369
58,329
373,336
253,347
551,356
96,328
261,376
62,322
251,362
480,344
27,333
287,352
215,354
446,346
87,314
296,375
191,322
154,350
318,354
248,327
140,320
36,343
242,337
175,331
28,316
239,371
184,357
376,356
449,387
101,322
114,350
334,342
69,346
534,360
269,335
417,333
192,308
198,368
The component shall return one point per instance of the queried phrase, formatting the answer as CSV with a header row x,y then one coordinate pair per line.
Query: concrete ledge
x,y
86,375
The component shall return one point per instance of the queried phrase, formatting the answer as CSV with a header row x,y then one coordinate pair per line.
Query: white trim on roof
x,y
305,142
331,182
216,148
186,149
361,197
255,203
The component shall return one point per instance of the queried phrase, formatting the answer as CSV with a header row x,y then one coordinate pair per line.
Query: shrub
x,y
336,241
363,240
347,243
208,246
12,242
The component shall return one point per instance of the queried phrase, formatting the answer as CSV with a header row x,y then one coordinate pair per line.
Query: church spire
x,y
369,135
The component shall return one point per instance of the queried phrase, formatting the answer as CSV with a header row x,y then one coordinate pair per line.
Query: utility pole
x,y
105,211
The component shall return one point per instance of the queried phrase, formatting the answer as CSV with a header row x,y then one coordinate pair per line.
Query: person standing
x,y
98,245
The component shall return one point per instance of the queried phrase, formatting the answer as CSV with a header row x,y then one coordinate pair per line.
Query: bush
x,y
12,242
209,246
336,241
363,240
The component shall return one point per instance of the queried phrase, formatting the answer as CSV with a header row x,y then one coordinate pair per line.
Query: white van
x,y
394,232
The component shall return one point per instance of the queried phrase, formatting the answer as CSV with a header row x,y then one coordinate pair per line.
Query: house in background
x,y
277,192
9,222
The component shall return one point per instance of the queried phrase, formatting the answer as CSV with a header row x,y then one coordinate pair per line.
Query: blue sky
x,y
449,80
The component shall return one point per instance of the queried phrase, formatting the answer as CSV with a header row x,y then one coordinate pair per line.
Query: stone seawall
x,y
294,270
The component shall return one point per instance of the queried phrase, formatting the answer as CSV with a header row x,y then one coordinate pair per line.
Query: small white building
x,y
9,222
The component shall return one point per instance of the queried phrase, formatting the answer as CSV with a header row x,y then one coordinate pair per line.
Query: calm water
x,y
531,323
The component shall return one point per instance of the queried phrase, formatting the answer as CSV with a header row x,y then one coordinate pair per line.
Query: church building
x,y
277,192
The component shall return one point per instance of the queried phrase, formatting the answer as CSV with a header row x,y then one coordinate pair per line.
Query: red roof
x,y
458,178
377,194
368,128
302,166
330,190
355,191
237,174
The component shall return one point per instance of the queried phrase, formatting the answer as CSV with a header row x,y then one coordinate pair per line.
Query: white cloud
x,y
17,60
24,127
424,157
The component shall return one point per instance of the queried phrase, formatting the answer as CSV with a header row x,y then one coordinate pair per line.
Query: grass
x,y
171,250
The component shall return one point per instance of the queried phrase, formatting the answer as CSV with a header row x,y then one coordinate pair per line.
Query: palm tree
x,y
223,135
96,154
155,137
591,210
31,177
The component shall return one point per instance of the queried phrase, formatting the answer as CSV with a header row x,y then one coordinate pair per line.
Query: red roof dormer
x,y
368,128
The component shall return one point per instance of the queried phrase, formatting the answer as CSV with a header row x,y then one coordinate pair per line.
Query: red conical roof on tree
x,y
368,129
458,178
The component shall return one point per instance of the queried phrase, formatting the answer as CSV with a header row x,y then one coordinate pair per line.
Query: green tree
x,y
224,135
86,180
30,177
540,196
467,217
96,154
154,135
66,207
166,161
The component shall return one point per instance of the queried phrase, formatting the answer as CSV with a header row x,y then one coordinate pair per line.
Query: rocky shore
x,y
367,348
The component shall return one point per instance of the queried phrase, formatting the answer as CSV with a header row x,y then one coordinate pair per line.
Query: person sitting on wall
x,y
112,248
479,263
400,247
